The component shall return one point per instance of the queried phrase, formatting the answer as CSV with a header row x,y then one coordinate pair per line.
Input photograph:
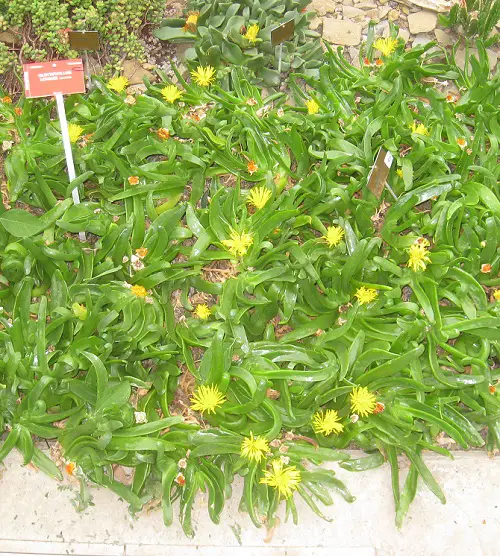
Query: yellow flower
x,y
202,311
386,46
118,84
254,448
496,295
312,106
399,172
252,32
363,402
462,142
365,295
204,76
191,22
284,479
139,291
171,93
419,128
258,197
419,255
74,131
239,243
207,398
327,422
334,235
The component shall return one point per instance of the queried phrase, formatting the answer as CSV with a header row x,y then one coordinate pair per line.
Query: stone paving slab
x,y
37,517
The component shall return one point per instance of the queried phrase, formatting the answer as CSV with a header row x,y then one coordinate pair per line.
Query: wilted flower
x,y
79,311
7,100
252,167
140,417
18,111
130,100
137,263
163,133
7,145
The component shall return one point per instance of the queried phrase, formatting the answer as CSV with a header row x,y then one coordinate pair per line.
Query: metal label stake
x,y
61,112
279,35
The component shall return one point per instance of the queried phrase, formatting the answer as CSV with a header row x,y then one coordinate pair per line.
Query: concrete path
x,y
37,517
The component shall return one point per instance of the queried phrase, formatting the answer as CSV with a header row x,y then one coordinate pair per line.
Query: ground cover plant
x,y
239,33
243,304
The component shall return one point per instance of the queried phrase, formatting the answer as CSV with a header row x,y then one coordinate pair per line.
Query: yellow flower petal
x,y
207,399
203,76
312,106
363,402
118,84
202,311
75,131
171,93
419,255
238,243
252,33
386,46
366,295
258,197
327,422
254,448
334,235
285,479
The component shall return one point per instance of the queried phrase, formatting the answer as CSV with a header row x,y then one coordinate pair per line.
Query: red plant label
x,y
44,79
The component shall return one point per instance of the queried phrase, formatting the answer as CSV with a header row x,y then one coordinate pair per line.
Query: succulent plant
x,y
239,33
477,18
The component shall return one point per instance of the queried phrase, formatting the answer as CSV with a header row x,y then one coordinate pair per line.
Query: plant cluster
x,y
242,304
239,33
43,25
476,17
